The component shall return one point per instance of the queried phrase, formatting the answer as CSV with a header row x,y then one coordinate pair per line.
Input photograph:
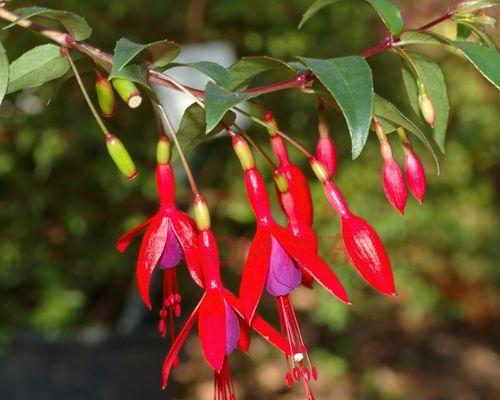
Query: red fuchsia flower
x,y
170,236
362,244
325,149
217,314
392,176
272,263
414,170
296,180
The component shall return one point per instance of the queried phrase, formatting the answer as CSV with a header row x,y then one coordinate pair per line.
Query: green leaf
x,y
76,25
4,72
218,101
36,67
217,72
390,14
417,37
192,128
486,59
242,72
434,82
392,118
313,9
159,53
387,11
350,81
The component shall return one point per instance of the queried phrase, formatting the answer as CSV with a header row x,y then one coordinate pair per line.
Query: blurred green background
x,y
63,204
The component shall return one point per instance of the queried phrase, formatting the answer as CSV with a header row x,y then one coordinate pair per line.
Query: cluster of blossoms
x,y
279,259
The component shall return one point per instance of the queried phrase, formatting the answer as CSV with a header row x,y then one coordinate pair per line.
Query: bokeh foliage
x,y
63,204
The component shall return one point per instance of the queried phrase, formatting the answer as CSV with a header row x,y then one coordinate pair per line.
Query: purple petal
x,y
232,329
172,253
283,275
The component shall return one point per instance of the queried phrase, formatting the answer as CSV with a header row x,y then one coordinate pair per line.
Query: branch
x,y
155,77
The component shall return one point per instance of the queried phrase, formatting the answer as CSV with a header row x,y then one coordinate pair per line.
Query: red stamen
x,y
171,307
295,365
223,383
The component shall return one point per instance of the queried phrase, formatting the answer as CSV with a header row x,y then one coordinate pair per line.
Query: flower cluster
x,y
279,260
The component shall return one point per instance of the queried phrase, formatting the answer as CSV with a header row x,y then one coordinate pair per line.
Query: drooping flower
x,y
392,176
275,260
217,314
362,244
296,181
170,236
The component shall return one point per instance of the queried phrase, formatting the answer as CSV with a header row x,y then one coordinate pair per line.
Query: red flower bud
x,y
367,253
415,175
327,154
394,184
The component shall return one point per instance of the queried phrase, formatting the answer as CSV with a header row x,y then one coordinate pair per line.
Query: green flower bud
x,y
105,96
128,92
201,213
244,153
163,150
120,156
319,170
281,182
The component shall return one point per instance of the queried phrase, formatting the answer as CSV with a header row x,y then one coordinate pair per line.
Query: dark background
x,y
71,326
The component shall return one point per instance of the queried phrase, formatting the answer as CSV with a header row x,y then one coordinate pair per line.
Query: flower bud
x,y
394,184
243,152
281,183
319,170
327,154
128,92
163,150
427,109
105,96
201,213
269,118
415,175
367,253
120,156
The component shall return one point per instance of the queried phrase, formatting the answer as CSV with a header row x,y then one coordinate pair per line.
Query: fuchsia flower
x,y
361,242
296,180
415,175
170,236
272,263
217,314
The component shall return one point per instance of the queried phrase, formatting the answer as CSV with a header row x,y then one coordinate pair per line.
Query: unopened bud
x,y
163,150
327,154
269,118
120,156
281,183
128,92
319,170
243,152
427,109
201,213
105,96
394,184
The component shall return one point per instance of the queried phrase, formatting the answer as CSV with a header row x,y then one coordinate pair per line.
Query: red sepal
x,y
255,272
299,189
212,328
152,246
178,343
244,339
311,262
124,241
184,229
